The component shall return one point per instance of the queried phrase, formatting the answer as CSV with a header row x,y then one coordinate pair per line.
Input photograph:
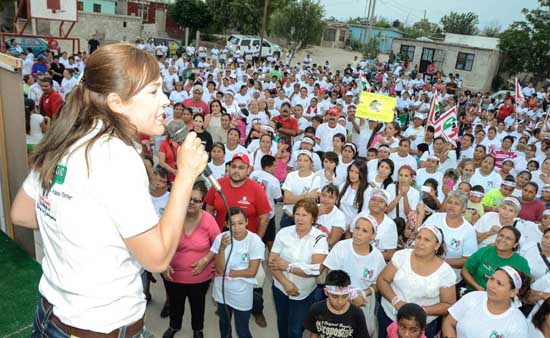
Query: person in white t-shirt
x,y
273,191
94,244
299,184
327,130
491,313
295,259
239,271
404,198
386,232
330,217
490,223
419,276
539,324
458,234
36,124
402,157
486,176
353,192
178,94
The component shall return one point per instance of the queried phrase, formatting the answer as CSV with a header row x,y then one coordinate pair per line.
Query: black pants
x,y
178,293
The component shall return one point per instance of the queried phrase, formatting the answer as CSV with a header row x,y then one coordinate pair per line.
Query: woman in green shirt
x,y
485,261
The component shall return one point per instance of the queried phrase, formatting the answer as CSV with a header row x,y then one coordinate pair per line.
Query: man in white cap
x,y
386,233
348,98
306,144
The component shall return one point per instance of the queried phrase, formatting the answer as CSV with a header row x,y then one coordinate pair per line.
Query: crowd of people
x,y
386,229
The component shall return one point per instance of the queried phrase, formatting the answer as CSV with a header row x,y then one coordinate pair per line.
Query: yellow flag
x,y
376,107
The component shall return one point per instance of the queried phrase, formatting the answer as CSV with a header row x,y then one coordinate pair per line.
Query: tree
x,y
425,27
460,23
190,13
492,29
526,44
300,23
243,15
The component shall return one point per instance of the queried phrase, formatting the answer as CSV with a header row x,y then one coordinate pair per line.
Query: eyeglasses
x,y
241,167
195,200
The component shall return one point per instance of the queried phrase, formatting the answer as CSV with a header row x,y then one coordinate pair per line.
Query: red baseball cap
x,y
241,156
333,111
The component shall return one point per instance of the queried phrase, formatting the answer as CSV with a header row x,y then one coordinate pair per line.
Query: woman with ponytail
x,y
88,194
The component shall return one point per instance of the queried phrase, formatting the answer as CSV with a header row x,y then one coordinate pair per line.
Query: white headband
x,y
369,218
433,157
513,201
476,194
336,290
509,184
516,278
434,230
353,147
546,212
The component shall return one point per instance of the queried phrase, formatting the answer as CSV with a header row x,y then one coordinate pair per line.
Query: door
x,y
426,59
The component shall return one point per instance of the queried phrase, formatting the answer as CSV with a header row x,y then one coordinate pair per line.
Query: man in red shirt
x,y
195,102
51,101
245,193
289,125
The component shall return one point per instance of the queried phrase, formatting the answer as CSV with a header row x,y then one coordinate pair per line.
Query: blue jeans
x,y
290,314
241,321
286,221
258,301
43,327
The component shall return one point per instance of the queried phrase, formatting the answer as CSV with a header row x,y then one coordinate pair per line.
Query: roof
x,y
375,27
443,43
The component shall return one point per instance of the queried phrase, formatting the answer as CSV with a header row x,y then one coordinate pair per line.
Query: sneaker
x,y
259,318
169,333
198,334
165,311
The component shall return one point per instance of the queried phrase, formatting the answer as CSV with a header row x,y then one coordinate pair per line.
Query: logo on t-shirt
x,y
244,200
495,334
59,176
244,257
368,274
455,243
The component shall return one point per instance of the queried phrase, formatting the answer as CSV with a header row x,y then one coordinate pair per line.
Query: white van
x,y
245,42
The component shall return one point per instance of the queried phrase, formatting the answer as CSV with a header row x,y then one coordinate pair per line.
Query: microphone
x,y
177,131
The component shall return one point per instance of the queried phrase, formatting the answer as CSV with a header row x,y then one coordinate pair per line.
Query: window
x,y
342,35
245,43
124,24
234,40
330,35
465,61
407,52
80,5
97,8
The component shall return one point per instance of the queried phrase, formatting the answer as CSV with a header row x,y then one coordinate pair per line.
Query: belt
x,y
131,330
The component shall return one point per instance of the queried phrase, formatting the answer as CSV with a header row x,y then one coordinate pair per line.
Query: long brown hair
x,y
119,68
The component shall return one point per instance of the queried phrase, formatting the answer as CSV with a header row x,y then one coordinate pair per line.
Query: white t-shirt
x,y
293,249
460,242
238,291
413,196
386,233
536,263
229,153
325,134
422,175
217,170
160,202
298,185
474,319
362,270
414,288
178,97
530,235
484,224
335,218
35,135
489,182
399,161
271,185
89,275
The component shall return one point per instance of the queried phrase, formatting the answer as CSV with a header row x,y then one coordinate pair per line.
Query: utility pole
x,y
371,18
425,14
264,19
366,16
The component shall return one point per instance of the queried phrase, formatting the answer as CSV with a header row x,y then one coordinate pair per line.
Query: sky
x,y
489,11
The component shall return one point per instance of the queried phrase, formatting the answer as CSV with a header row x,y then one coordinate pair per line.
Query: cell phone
x,y
426,189
450,184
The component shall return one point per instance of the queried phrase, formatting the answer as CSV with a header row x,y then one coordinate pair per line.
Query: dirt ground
x,y
337,57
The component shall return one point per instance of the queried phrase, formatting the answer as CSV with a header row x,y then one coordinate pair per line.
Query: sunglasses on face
x,y
195,200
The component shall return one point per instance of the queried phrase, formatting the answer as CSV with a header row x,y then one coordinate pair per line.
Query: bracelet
x,y
289,268
395,300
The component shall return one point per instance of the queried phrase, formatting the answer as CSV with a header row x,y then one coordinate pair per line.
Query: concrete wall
x,y
484,68
472,40
384,36
106,27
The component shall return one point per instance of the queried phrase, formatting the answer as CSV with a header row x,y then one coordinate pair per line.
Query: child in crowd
x,y
411,322
475,209
336,316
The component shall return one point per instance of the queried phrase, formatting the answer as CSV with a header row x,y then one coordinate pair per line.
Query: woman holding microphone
x,y
88,194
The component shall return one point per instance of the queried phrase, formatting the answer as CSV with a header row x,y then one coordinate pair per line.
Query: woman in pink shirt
x,y
190,271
